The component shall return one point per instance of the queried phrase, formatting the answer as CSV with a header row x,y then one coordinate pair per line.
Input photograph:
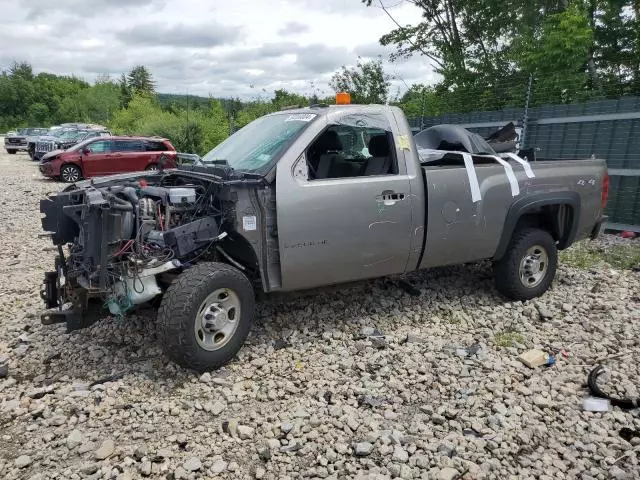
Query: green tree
x,y
140,81
558,55
367,82
21,70
38,114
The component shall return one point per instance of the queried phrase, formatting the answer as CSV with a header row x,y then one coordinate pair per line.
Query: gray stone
x,y
362,449
218,466
544,312
245,432
193,464
500,408
205,377
447,473
218,407
438,419
23,461
352,423
106,449
273,444
400,455
542,402
89,468
86,447
57,420
74,439
145,467
286,427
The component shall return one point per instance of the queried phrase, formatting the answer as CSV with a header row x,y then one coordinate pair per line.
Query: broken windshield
x,y
257,144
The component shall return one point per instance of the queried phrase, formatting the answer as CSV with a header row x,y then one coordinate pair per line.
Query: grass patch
x,y
580,256
621,257
508,338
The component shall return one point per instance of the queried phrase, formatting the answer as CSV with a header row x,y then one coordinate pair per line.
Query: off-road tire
x,y
11,152
507,269
179,307
67,173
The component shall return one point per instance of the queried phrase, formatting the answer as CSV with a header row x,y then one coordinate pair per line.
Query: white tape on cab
x,y
524,163
513,181
473,178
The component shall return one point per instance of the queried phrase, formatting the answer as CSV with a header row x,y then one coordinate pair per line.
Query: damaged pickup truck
x,y
304,198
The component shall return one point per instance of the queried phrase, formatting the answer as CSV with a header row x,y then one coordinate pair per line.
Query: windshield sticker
x,y
301,117
249,223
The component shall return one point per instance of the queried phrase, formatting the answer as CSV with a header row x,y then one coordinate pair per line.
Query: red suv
x,y
106,156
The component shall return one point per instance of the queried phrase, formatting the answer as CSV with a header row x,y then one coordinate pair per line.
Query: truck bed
x,y
467,208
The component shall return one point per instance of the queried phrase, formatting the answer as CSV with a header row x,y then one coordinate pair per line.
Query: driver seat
x,y
330,145
380,162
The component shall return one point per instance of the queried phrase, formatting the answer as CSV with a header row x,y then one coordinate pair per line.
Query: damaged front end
x,y
122,240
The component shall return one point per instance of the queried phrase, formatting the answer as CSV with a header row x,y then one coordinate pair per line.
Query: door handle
x,y
390,198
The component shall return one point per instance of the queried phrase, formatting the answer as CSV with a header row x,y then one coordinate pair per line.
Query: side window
x,y
100,147
127,146
153,146
355,146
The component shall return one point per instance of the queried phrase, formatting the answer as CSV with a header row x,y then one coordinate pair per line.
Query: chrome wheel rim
x,y
217,319
153,167
69,174
534,266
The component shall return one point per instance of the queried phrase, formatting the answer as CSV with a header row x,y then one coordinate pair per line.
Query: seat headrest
x,y
328,141
379,146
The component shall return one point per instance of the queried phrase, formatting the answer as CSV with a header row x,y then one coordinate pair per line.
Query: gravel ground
x,y
315,393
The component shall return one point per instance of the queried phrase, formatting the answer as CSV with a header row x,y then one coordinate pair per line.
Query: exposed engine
x,y
125,237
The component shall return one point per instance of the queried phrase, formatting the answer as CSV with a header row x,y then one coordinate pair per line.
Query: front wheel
x,y
152,167
70,173
529,265
205,316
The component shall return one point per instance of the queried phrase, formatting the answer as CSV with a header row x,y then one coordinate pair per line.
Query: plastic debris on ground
x,y
536,358
593,404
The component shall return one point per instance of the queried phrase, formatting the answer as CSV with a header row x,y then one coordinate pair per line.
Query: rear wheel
x,y
70,173
529,265
206,315
32,152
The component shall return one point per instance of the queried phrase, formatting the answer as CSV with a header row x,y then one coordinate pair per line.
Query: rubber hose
x,y
592,381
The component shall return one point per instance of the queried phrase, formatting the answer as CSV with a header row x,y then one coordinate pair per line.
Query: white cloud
x,y
241,48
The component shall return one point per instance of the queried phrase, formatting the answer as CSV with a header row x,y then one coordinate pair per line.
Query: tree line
x,y
487,51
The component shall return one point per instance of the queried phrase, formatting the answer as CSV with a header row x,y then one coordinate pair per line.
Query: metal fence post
x,y
525,118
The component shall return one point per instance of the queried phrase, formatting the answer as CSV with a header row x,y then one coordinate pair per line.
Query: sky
x,y
243,48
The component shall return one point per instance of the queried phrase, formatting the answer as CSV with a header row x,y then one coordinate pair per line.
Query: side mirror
x,y
86,150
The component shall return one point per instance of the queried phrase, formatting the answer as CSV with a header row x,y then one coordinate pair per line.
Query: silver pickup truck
x,y
304,198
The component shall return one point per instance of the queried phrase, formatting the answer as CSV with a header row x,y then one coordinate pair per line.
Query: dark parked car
x,y
18,141
64,139
107,156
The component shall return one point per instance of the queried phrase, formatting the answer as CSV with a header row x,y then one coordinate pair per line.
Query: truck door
x,y
344,211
